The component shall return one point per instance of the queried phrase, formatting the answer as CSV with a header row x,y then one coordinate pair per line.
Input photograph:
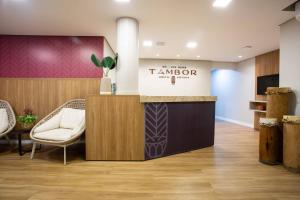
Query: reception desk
x,y
133,128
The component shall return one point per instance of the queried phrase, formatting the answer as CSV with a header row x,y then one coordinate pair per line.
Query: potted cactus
x,y
107,64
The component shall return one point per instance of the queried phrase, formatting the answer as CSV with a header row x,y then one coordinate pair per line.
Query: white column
x,y
128,49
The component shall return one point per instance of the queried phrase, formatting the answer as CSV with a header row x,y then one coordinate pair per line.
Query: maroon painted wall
x,y
49,56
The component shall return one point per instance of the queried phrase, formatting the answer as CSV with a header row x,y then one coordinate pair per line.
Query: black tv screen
x,y
263,82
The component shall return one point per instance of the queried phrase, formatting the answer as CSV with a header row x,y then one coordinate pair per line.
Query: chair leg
x,y
33,150
65,155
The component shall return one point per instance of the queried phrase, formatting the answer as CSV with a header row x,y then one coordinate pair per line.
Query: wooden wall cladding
x,y
114,128
266,64
44,95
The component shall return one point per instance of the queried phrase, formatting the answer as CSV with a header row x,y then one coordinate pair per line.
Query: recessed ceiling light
x,y
122,1
191,45
221,3
240,56
161,44
157,55
198,56
148,43
178,56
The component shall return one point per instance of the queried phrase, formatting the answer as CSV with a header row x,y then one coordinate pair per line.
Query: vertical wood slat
x,y
44,95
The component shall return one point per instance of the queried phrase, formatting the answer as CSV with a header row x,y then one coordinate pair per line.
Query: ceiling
x,y
221,34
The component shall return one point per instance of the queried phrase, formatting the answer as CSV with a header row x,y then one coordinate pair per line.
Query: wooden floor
x,y
229,170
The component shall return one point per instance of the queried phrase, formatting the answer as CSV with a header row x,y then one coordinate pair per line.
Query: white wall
x,y
232,83
290,60
235,88
224,65
152,85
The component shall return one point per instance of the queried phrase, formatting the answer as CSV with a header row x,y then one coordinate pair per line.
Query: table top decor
x,y
27,120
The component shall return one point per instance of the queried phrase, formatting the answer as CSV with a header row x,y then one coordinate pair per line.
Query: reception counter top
x,y
132,127
170,99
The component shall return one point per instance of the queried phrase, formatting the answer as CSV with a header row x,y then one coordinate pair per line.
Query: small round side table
x,y
19,131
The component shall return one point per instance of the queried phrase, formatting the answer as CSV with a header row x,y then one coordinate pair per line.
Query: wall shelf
x,y
258,106
260,110
257,101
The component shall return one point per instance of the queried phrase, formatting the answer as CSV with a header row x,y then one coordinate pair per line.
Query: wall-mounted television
x,y
263,82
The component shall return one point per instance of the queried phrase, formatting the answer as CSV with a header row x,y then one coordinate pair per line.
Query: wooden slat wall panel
x,y
114,128
44,95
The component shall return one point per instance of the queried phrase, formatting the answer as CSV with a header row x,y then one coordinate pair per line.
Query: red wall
x,y
49,56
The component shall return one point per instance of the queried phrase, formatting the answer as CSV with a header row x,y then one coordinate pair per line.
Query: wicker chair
x,y
11,119
75,104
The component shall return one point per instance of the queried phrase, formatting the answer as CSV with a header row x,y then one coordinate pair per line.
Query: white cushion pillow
x,y
79,127
72,118
59,134
51,124
3,120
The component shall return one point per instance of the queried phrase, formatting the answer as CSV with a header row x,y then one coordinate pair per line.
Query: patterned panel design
x,y
156,129
49,56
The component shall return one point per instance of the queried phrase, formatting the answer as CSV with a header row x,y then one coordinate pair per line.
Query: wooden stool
x,y
270,142
291,143
278,103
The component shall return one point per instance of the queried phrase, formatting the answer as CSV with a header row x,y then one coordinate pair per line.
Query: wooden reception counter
x,y
129,128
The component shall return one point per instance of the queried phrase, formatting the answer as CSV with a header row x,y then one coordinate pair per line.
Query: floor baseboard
x,y
235,122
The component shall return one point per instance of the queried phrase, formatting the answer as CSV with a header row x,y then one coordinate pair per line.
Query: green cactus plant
x,y
107,63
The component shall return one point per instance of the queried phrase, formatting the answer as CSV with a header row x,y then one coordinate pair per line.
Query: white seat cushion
x,y
59,134
71,118
3,120
51,124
